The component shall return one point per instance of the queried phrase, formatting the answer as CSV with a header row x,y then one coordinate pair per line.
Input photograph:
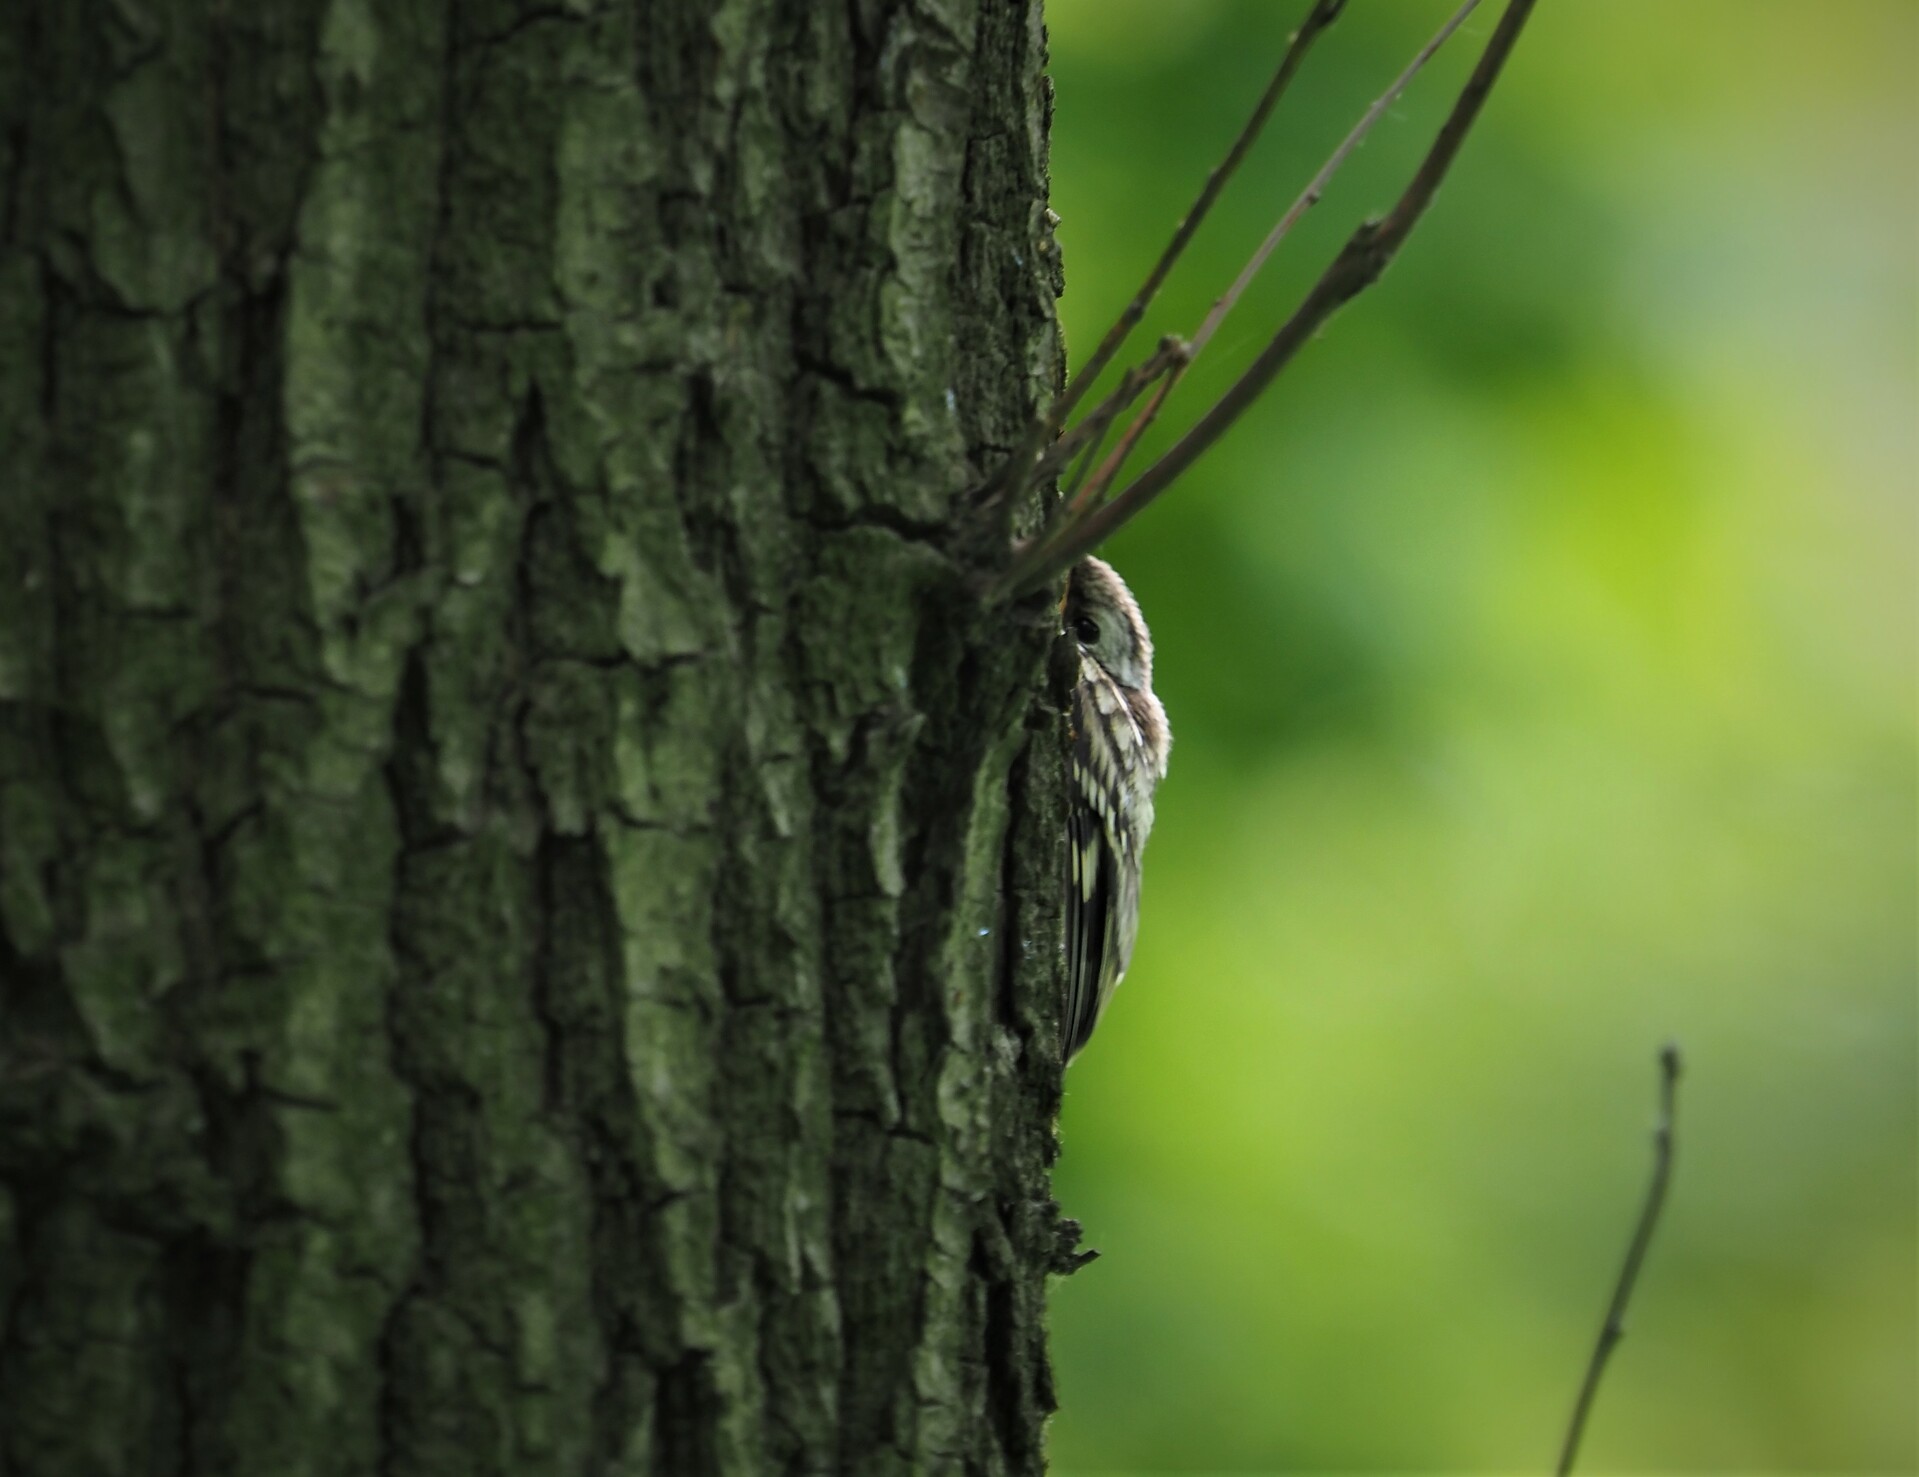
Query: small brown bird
x,y
1120,743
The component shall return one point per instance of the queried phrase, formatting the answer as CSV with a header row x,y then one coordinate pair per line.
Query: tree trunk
x,y
528,886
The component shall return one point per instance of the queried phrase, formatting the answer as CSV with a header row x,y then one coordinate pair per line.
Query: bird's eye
x,y
1087,629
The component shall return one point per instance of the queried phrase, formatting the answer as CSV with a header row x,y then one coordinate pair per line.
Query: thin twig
x,y
1045,428
1309,197
1168,365
1086,492
1134,383
1358,265
1083,466
1111,467
1614,1328
1322,15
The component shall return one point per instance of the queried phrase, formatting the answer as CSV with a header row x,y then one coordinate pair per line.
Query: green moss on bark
x,y
527,918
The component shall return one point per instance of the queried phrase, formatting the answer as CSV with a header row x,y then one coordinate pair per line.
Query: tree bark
x,y
528,885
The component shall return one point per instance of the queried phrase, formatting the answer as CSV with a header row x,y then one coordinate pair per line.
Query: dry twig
x,y
1085,521
1019,470
1614,1328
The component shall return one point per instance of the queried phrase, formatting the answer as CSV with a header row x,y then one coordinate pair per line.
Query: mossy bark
x,y
528,927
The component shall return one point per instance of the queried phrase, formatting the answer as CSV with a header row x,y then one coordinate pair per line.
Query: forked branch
x,y
1020,471
1310,196
1086,521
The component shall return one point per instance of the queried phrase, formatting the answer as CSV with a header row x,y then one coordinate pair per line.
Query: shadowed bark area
x,y
528,887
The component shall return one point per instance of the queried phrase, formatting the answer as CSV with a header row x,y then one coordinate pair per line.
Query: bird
x,y
1119,744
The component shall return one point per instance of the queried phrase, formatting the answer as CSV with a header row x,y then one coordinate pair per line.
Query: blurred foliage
x,y
1541,657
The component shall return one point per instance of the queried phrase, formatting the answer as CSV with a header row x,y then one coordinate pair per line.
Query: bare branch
x,y
1087,492
1088,486
1322,15
1358,265
1172,350
1614,1328
1309,197
1045,428
1110,468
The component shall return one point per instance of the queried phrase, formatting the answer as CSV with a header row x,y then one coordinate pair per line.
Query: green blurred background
x,y
1541,655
